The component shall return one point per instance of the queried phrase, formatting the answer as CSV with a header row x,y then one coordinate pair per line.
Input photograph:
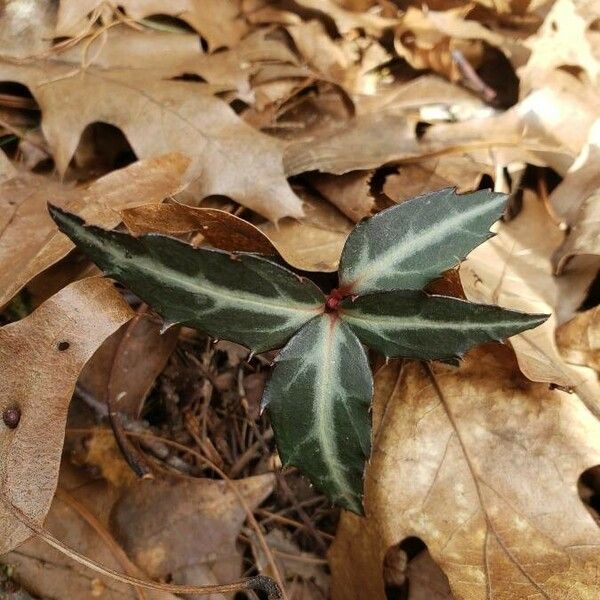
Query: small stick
x,y
470,75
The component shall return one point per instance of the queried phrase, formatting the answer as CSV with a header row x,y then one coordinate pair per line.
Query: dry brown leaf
x,y
216,20
584,235
345,62
514,270
220,228
30,239
161,55
547,128
427,38
366,142
347,20
484,470
567,39
579,339
581,181
187,529
350,193
305,575
49,574
41,357
414,179
26,28
228,156
315,242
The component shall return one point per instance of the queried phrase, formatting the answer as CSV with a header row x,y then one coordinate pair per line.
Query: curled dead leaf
x,y
220,228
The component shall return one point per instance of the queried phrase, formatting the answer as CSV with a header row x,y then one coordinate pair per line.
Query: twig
x,y
472,78
132,454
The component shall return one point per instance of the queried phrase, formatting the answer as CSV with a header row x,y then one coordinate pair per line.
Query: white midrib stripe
x,y
373,269
324,408
419,323
210,290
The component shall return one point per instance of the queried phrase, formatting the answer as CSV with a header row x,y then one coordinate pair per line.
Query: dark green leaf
x,y
318,399
414,325
406,246
238,297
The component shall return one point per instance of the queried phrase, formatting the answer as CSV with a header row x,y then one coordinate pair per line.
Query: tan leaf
x,y
581,180
220,228
366,142
187,528
568,39
549,127
347,20
30,239
482,465
579,339
217,20
414,179
426,39
228,156
514,270
162,55
41,357
315,242
79,516
350,193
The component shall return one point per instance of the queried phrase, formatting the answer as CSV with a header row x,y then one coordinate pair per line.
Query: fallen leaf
x,y
567,38
428,38
220,228
414,179
365,142
583,238
347,20
493,462
579,339
228,156
581,180
305,575
50,574
187,529
41,357
314,242
350,193
549,127
24,216
217,20
26,28
514,270
161,55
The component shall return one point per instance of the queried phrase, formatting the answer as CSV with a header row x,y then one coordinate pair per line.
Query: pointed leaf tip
x,y
250,300
411,324
318,399
408,245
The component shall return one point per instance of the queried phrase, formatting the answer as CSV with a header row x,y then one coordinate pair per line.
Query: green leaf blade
x,y
243,298
412,324
406,246
318,399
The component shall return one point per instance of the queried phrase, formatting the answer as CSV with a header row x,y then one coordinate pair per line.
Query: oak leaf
x,y
229,157
482,465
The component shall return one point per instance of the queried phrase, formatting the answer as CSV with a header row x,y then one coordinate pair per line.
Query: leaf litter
x,y
272,127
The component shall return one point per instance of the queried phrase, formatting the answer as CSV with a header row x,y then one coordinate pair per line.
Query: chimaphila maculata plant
x,y
319,393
